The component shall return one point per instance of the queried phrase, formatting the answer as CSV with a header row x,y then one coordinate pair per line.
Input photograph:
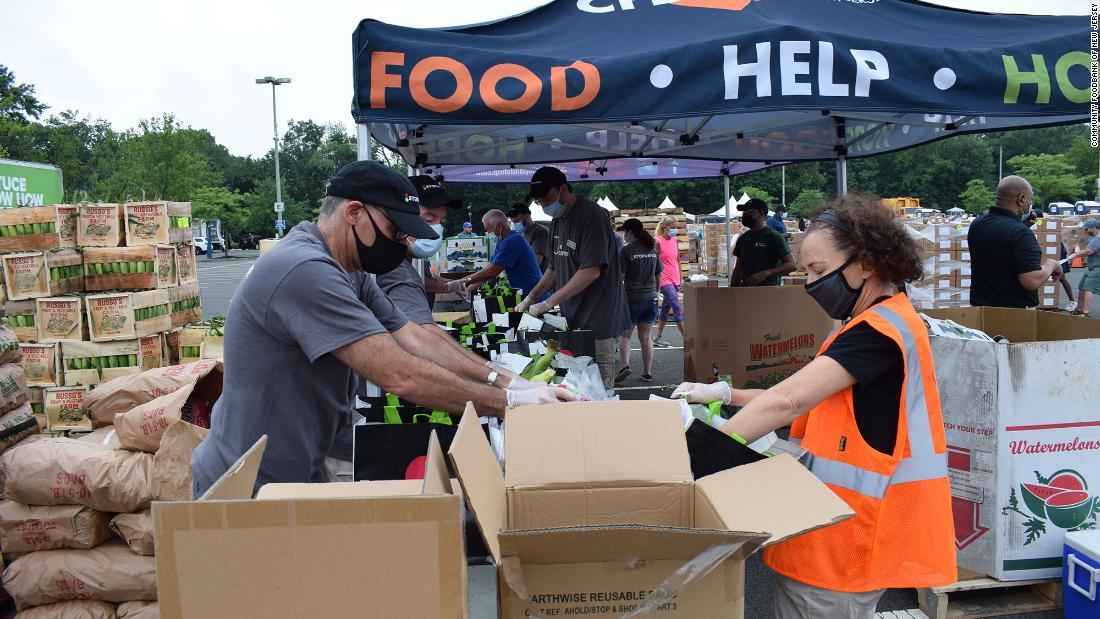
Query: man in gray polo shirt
x,y
584,267
307,318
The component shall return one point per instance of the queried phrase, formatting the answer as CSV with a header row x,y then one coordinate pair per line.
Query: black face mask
x,y
833,293
748,220
383,256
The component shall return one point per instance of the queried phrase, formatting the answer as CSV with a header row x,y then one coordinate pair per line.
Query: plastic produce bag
x,y
109,572
587,384
28,528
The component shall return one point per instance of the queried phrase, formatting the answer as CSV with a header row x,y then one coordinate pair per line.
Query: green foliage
x,y
17,101
977,197
1052,177
160,160
807,203
755,192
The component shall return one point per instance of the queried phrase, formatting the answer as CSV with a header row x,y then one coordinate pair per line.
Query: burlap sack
x,y
16,425
109,572
125,392
26,528
138,610
13,387
172,479
62,471
105,436
9,346
141,427
73,609
136,530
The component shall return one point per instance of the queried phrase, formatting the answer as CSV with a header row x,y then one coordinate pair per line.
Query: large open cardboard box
x,y
1021,419
598,511
756,336
363,549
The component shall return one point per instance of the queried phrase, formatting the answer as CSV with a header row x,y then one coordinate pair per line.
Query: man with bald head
x,y
1008,266
513,256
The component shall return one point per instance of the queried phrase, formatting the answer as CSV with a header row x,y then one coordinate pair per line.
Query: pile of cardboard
x,y
945,252
465,255
96,291
712,258
794,242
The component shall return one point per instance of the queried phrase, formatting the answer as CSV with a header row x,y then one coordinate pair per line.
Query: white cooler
x,y
1081,574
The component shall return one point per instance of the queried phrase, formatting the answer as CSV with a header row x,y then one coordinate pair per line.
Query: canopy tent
x,y
607,204
751,81
537,214
956,211
667,204
640,169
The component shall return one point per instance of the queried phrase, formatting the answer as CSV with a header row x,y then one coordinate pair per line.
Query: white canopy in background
x,y
956,211
667,204
537,214
607,204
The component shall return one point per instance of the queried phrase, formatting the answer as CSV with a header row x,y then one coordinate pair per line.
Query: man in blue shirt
x,y
513,256
775,222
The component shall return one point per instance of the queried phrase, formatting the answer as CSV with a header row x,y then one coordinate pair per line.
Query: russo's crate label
x,y
145,222
166,266
152,353
65,407
58,317
100,222
111,315
67,219
26,275
39,365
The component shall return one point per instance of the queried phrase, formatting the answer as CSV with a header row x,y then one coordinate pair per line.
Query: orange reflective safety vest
x,y
902,534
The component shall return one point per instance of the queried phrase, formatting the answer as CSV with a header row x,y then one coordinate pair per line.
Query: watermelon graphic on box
x,y
1062,499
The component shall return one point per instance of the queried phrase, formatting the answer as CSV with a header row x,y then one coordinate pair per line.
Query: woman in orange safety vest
x,y
867,411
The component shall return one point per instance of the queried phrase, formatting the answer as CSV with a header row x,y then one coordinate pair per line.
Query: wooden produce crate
x,y
167,276
41,364
28,228
153,354
172,346
36,398
157,223
66,271
977,595
127,315
66,221
19,316
186,304
99,225
187,271
120,268
25,275
60,318
64,408
92,363
190,343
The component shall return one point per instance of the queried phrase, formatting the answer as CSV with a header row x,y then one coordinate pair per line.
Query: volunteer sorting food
x,y
584,268
308,316
513,256
867,410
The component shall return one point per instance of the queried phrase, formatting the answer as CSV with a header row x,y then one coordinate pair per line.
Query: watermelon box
x,y
1023,437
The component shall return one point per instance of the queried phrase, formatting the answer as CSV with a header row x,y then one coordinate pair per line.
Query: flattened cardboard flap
x,y
238,481
436,480
342,490
584,443
778,496
619,543
480,477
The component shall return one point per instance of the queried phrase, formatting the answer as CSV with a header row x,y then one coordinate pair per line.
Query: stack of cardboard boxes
x,y
945,253
650,218
1048,231
465,255
96,291
712,258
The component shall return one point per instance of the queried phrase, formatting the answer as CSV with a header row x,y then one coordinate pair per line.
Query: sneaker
x,y
1069,307
647,377
661,342
623,373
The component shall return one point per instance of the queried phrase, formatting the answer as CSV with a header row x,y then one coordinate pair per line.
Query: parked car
x,y
249,241
1086,207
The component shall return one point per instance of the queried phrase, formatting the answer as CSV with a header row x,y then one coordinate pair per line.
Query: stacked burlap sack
x,y
77,516
17,422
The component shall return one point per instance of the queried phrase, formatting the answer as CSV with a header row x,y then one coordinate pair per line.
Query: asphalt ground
x,y
220,276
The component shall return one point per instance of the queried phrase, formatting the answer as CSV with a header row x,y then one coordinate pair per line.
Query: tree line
x,y
162,158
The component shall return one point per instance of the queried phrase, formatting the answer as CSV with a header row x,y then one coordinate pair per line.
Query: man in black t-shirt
x,y
762,253
1008,268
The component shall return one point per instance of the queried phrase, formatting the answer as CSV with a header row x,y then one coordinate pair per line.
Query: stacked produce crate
x,y
945,253
92,290
1049,234
650,218
712,260
465,255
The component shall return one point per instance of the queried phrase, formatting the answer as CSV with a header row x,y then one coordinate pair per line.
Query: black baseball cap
x,y
432,194
755,204
519,209
543,180
372,183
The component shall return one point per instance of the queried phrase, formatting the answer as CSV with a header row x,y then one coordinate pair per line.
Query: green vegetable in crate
x,y
541,364
545,377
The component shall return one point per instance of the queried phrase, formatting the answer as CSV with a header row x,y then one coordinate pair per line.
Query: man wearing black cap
x,y
308,317
535,233
762,253
584,267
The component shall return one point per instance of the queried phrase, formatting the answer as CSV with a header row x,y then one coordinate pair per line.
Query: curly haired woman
x,y
867,411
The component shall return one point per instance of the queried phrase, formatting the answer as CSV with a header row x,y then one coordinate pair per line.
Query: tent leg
x,y
362,134
841,176
726,191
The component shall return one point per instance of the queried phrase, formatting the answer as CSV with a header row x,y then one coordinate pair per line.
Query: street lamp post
x,y
280,224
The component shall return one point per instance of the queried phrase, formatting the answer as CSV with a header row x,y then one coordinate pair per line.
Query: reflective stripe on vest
x,y
923,464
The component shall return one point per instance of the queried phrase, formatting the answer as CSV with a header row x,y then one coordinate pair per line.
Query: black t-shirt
x,y
877,364
1002,248
760,250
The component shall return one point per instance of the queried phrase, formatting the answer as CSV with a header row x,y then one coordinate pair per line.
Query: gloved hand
x,y
699,393
523,305
458,287
539,309
543,394
522,383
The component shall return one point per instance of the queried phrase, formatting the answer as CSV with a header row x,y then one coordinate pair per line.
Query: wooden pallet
x,y
977,595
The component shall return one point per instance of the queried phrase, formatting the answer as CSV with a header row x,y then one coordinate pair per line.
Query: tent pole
x,y
726,191
841,176
783,185
362,134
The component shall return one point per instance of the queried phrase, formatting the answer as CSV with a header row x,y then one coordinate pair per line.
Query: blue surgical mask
x,y
426,248
673,231
555,210
518,228
493,236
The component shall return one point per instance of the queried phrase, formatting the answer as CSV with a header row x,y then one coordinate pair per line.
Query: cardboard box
x,y
28,228
99,225
1052,251
960,242
121,268
944,257
597,508
756,336
1048,238
944,244
1048,223
336,550
1018,414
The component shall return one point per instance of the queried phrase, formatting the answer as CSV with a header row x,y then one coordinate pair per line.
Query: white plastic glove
x,y
458,287
539,309
523,305
542,394
699,393
522,383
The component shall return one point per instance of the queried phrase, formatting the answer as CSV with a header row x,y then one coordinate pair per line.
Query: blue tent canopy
x,y
725,80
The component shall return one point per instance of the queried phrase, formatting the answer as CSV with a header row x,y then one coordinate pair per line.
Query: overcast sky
x,y
125,60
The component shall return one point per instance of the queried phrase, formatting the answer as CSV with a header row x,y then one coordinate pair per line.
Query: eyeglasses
x,y
397,234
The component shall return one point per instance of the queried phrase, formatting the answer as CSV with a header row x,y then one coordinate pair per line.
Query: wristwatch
x,y
492,378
